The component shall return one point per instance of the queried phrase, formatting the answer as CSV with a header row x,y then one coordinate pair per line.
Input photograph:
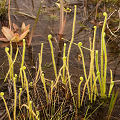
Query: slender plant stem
x,y
73,32
9,14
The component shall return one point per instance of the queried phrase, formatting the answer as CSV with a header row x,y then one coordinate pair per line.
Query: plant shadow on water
x,y
25,11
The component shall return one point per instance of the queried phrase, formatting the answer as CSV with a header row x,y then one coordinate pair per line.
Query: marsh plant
x,y
53,107
3,9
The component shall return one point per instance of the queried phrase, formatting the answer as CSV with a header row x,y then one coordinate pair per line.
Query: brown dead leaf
x,y
15,27
7,33
22,36
14,36
24,28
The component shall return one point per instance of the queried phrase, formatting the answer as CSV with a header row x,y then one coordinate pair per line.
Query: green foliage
x,y
3,9
45,89
73,32
53,59
81,80
15,96
112,103
103,53
2,96
52,94
11,63
83,61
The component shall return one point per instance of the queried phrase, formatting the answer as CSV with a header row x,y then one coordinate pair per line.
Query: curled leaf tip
x,y
31,83
23,40
42,74
80,44
15,75
20,89
2,93
105,14
96,51
49,37
81,78
6,49
24,68
37,112
64,44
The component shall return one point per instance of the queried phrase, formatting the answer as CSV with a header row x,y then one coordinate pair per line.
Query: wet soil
x,y
49,24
